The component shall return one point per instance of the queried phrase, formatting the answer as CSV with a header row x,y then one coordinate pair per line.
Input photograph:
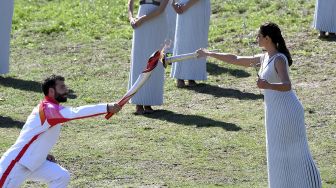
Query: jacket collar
x,y
51,100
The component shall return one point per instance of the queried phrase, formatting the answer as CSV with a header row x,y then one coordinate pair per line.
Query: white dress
x,y
171,18
290,163
325,14
6,11
192,28
148,38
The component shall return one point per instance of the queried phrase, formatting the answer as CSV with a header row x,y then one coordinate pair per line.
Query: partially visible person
x,y
29,157
325,18
192,28
6,14
171,19
150,32
289,161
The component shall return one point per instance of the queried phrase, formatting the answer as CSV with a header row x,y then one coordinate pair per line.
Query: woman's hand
x,y
137,22
179,8
132,22
202,53
263,84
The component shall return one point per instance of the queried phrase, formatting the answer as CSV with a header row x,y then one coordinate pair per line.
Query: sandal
x,y
192,83
332,35
180,83
139,110
322,34
148,110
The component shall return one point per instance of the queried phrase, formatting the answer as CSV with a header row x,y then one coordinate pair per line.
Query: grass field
x,y
208,136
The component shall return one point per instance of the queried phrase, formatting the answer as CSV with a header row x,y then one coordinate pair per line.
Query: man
x,y
28,158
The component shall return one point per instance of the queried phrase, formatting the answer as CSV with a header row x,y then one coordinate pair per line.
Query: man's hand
x,y
51,158
113,108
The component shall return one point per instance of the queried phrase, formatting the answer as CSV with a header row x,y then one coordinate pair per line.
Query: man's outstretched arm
x,y
56,114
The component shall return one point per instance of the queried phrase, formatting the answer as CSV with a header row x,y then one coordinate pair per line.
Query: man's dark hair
x,y
50,82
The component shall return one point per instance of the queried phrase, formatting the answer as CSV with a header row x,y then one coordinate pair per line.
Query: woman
x,y
324,18
6,9
171,18
290,163
192,27
147,38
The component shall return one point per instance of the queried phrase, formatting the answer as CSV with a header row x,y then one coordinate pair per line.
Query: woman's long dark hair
x,y
273,31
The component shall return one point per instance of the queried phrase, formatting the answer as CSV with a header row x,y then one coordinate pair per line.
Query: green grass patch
x,y
209,136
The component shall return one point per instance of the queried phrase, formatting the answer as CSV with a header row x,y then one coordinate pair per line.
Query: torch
x,y
169,59
156,57
142,78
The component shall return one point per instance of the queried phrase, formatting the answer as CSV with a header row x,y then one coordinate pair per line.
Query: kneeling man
x,y
29,157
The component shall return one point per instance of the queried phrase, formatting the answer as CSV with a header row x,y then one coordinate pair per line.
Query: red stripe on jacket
x,y
18,157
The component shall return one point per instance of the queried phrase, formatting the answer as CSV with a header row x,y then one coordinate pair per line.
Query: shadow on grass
x,y
191,120
224,92
328,39
214,69
20,84
7,122
27,85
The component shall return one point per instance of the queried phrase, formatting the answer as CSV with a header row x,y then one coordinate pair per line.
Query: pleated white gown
x,y
6,13
290,163
325,16
192,28
171,19
148,38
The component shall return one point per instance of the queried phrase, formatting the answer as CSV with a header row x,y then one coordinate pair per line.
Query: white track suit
x,y
26,159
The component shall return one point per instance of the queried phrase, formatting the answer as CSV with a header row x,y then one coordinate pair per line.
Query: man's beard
x,y
61,97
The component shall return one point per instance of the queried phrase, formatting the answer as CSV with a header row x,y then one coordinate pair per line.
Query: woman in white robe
x,y
324,17
289,161
150,32
171,19
192,28
6,14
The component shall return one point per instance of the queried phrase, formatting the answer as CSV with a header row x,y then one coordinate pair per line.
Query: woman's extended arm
x,y
246,61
